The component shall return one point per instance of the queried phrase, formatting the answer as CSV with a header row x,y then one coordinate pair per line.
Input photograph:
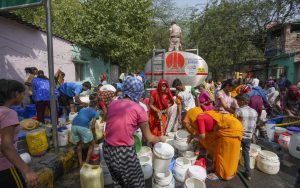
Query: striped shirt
x,y
248,116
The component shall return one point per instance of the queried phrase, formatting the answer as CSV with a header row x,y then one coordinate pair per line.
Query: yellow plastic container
x,y
91,176
37,142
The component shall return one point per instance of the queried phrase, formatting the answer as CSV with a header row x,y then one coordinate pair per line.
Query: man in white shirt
x,y
185,98
175,37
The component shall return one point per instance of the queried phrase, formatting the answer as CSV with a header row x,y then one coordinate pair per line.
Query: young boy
x,y
81,132
248,117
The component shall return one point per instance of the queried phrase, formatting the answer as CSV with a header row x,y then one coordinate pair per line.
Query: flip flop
x,y
213,177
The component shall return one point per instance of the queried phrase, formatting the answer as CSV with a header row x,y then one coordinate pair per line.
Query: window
x,y
79,71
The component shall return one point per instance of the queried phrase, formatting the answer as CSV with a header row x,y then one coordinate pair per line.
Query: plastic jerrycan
x,y
91,176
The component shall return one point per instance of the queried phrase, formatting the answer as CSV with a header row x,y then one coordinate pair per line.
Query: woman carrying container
x,y
221,135
124,117
292,101
12,93
160,101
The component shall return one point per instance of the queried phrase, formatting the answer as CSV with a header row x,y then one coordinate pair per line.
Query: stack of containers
x,y
162,156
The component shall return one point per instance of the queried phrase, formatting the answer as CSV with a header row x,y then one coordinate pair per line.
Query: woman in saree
x,y
205,102
160,100
221,136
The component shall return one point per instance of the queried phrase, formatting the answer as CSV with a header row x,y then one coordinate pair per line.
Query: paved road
x,y
284,179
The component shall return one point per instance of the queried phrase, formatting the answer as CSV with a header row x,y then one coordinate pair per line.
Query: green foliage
x,y
118,30
234,31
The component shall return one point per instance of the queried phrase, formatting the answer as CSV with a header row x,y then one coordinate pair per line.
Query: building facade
x,y
283,51
23,45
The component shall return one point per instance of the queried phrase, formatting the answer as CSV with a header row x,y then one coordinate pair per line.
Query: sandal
x,y
213,177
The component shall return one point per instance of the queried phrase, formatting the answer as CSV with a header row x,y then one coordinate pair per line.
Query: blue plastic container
x,y
30,111
20,111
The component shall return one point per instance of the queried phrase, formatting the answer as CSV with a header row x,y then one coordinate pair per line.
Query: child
x,y
12,93
248,117
81,132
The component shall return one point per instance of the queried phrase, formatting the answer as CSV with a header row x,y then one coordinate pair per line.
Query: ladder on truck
x,y
158,63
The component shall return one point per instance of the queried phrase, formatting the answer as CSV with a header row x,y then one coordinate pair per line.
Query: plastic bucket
x,y
278,132
268,162
162,156
294,146
270,127
146,164
190,155
37,142
20,111
197,172
165,180
72,115
194,183
180,142
145,151
62,137
30,111
181,166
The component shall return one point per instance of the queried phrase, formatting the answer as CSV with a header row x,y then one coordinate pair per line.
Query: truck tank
x,y
190,68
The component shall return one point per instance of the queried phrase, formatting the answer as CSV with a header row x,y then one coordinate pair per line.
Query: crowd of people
x,y
221,117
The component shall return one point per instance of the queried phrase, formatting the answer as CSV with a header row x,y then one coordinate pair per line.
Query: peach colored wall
x,y
23,46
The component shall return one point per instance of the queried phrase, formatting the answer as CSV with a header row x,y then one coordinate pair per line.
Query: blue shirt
x,y
84,117
258,91
41,89
71,89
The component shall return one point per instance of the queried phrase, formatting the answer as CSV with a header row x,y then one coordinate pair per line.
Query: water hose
x,y
244,180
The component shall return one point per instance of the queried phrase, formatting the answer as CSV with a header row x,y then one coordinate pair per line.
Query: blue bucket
x,y
20,111
30,111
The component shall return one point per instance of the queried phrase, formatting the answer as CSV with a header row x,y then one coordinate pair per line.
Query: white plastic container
x,y
194,183
63,138
278,132
91,176
197,172
270,127
181,166
268,162
162,156
255,147
146,164
253,153
101,152
26,157
180,142
190,155
170,138
106,174
72,115
96,150
284,140
145,151
294,146
164,180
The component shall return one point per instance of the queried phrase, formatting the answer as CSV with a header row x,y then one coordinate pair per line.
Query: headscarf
x,y
293,93
255,82
162,102
108,87
133,88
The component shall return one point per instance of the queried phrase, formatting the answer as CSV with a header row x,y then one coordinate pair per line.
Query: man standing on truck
x,y
175,37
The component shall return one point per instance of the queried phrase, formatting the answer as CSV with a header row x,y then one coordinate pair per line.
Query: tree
x,y
118,30
221,35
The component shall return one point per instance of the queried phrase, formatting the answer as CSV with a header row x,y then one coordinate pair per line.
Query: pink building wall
x,y
23,46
